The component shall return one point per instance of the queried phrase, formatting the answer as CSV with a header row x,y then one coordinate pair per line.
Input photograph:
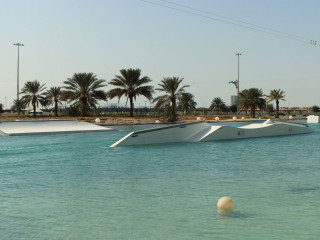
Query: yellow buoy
x,y
225,203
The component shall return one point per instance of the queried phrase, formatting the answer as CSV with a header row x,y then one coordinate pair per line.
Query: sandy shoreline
x,y
132,120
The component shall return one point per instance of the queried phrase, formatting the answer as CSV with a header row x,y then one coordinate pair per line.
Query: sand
x,y
133,120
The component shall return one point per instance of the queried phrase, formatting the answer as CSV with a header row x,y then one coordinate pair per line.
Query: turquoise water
x,y
74,186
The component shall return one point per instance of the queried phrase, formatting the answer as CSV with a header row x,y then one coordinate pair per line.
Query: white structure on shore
x,y
234,100
313,119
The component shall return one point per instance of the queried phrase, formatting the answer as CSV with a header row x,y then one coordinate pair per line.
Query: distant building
x,y
234,100
113,105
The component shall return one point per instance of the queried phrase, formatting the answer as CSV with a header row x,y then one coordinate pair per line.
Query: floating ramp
x,y
202,131
313,119
36,127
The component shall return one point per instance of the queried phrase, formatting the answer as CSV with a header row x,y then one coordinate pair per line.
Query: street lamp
x,y
238,108
19,45
236,84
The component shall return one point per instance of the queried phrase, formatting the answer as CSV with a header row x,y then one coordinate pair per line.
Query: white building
x,y
234,99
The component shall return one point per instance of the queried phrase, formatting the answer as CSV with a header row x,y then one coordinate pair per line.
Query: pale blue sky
x,y
64,37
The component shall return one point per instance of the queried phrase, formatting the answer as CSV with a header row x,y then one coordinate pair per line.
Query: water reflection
x,y
304,189
226,214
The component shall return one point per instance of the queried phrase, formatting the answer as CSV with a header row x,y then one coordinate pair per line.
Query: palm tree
x,y
54,96
276,95
18,105
186,102
130,84
169,101
218,104
33,94
233,108
269,108
84,90
315,109
251,99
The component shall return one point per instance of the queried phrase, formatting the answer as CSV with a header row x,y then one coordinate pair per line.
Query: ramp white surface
x,y
17,128
175,133
202,131
313,119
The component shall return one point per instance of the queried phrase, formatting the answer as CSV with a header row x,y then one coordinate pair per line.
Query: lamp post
x,y
236,84
19,45
238,108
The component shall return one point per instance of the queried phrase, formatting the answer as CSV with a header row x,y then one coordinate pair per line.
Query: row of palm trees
x,y
84,90
252,99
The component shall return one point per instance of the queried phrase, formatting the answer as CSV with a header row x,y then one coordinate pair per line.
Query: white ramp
x,y
18,128
202,131
188,132
313,119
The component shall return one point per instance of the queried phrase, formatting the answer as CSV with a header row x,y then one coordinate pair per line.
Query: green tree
x,y
84,90
33,94
186,102
131,84
233,108
252,99
1,108
315,109
170,86
73,110
218,105
269,108
54,96
18,105
276,95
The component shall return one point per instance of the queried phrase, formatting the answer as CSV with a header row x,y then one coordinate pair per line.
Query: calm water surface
x,y
74,186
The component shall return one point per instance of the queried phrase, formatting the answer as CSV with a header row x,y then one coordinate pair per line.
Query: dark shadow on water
x,y
304,189
156,145
221,214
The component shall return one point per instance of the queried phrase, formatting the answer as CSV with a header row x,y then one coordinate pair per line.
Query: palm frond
x,y
130,85
85,89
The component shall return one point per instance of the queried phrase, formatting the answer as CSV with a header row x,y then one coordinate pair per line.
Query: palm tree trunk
x,y
174,110
131,106
277,109
34,110
253,111
83,107
56,108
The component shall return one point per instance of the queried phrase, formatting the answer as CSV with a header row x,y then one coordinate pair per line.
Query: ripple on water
x,y
74,186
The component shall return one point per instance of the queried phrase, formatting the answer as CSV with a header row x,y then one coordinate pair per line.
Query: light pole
x,y
19,45
238,85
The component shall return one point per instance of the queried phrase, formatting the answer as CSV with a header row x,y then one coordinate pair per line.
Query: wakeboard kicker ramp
x,y
202,131
37,127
